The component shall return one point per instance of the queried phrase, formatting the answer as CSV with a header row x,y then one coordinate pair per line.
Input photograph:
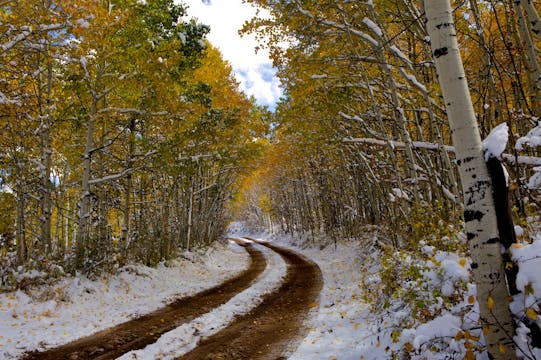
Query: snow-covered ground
x,y
344,326
181,340
341,328
76,307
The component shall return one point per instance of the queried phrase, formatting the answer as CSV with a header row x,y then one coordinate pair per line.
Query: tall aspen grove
x,y
153,205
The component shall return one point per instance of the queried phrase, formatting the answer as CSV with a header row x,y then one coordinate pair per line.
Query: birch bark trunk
x,y
126,226
479,214
533,17
534,68
84,211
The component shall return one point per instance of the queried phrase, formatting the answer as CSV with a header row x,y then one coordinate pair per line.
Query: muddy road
x,y
273,328
138,333
269,331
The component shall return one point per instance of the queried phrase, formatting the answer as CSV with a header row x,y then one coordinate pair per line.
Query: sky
x,y
254,71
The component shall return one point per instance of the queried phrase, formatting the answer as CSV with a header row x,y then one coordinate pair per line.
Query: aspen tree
x,y
533,16
479,214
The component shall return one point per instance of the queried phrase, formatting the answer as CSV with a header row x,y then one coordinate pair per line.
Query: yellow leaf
x,y
462,262
356,326
490,302
469,355
471,299
501,347
531,314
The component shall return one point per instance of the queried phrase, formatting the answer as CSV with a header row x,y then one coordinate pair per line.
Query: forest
x,y
112,112
126,139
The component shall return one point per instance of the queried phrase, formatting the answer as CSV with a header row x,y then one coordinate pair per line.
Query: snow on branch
x,y
411,78
4,100
335,25
509,158
373,26
400,144
111,177
27,31
400,54
531,139
133,111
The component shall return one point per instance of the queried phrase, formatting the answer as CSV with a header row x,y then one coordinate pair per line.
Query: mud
x,y
138,333
275,327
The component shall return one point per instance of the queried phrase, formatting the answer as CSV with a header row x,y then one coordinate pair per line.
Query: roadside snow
x,y
181,340
346,328
525,304
340,328
76,307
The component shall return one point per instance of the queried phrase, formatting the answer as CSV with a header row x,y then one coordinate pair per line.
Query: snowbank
x,y
76,307
181,340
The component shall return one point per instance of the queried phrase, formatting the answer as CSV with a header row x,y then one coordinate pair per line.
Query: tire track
x,y
136,334
274,327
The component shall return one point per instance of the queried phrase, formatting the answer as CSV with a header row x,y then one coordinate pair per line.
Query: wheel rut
x,y
273,328
138,333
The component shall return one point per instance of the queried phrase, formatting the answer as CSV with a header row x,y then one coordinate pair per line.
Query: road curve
x,y
136,334
274,327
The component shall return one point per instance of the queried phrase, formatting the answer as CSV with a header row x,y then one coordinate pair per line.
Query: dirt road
x,y
274,327
268,331
136,334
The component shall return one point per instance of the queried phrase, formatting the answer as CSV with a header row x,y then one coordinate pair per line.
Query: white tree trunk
x,y
84,211
532,63
533,17
46,163
479,214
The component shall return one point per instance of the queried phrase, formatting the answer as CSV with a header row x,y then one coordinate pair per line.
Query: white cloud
x,y
253,71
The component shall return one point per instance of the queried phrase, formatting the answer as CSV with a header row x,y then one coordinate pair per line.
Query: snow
x,y
344,325
532,139
400,54
83,23
415,82
445,326
75,307
365,36
398,194
528,281
496,141
184,338
338,328
373,26
528,256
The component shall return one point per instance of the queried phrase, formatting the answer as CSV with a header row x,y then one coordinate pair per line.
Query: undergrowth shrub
x,y
425,278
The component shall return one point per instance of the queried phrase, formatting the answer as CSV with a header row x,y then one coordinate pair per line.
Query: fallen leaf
x,y
531,314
